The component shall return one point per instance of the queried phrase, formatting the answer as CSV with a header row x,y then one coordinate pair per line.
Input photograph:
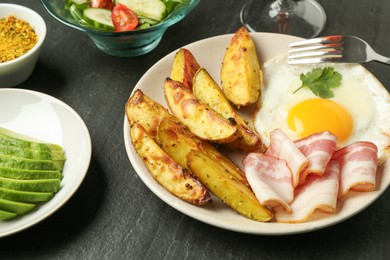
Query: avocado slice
x,y
46,185
32,164
30,172
6,215
25,196
31,153
25,174
19,208
8,137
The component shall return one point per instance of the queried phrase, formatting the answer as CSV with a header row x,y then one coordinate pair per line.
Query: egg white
x,y
360,93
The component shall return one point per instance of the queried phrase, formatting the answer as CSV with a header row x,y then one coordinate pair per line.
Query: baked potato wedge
x,y
184,67
142,110
177,141
201,120
227,188
207,91
241,76
225,162
165,170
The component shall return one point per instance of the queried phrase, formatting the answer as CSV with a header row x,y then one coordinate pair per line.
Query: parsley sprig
x,y
321,81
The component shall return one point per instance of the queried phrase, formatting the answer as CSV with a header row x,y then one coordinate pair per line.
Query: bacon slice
x,y
358,163
270,180
318,192
318,149
282,147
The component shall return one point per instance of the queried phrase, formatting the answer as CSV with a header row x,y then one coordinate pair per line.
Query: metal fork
x,y
335,48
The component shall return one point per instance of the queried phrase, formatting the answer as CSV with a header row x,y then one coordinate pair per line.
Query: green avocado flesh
x,y
30,172
6,215
25,196
25,174
19,208
47,185
10,138
32,164
31,153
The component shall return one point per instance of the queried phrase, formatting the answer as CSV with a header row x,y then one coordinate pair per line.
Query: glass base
x,y
305,18
128,51
127,45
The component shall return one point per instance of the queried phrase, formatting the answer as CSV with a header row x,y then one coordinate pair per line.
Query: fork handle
x,y
382,59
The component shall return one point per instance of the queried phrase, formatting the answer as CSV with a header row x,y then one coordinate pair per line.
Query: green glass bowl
x,y
121,44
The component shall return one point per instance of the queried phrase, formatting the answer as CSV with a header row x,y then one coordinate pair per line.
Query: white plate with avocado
x,y
45,118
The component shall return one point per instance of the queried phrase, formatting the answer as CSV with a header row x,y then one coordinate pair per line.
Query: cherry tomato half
x,y
106,4
123,18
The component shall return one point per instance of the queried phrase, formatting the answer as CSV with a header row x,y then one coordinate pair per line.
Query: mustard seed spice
x,y
17,37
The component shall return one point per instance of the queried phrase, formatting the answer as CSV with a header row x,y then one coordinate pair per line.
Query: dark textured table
x,y
113,215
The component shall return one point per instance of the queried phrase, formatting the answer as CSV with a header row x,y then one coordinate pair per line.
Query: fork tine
x,y
318,50
313,60
321,40
333,53
333,49
330,46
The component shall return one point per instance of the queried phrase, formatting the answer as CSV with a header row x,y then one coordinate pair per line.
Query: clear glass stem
x,y
281,11
281,6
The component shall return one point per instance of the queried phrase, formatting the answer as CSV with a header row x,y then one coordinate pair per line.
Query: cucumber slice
x,y
48,185
25,174
152,9
99,18
19,208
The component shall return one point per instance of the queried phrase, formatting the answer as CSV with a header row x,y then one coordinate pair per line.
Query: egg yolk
x,y
317,115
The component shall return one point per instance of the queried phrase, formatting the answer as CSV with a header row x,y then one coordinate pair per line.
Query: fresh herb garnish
x,y
321,81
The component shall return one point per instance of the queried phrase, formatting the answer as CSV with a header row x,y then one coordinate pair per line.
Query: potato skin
x,y
177,141
227,188
184,67
174,178
241,75
207,91
142,110
201,120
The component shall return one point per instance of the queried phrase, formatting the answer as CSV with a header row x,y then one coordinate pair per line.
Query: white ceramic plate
x,y
46,118
209,54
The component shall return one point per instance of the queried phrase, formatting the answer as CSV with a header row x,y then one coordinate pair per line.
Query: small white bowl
x,y
14,72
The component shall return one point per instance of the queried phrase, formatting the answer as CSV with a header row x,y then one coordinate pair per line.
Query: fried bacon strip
x,y
318,192
358,163
297,178
318,149
282,147
270,180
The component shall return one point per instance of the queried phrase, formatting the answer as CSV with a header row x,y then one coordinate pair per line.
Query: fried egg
x,y
359,110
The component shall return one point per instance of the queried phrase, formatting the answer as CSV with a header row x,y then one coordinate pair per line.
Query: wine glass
x,y
304,18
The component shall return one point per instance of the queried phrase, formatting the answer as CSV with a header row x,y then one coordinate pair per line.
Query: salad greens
x,y
100,14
